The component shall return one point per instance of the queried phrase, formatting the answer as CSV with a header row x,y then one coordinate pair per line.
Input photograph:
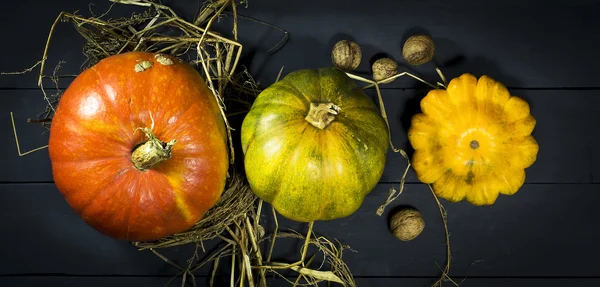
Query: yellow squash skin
x,y
473,140
305,172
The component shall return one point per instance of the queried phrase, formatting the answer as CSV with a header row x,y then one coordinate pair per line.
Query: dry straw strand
x,y
12,119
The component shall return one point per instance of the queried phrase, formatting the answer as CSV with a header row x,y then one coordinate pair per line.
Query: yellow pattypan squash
x,y
473,140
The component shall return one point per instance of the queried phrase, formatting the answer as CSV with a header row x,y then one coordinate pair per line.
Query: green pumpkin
x,y
314,145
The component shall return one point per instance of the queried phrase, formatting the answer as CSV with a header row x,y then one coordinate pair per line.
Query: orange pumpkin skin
x,y
93,134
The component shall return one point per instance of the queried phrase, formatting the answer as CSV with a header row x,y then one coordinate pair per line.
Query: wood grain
x,y
545,230
522,43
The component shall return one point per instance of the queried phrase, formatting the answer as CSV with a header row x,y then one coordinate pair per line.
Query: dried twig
x,y
12,119
390,79
333,255
443,214
281,41
209,8
24,71
393,192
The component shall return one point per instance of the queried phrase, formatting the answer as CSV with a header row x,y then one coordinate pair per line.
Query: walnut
x,y
407,224
384,68
418,49
346,55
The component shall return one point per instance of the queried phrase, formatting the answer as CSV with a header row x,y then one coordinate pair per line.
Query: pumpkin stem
x,y
321,115
151,152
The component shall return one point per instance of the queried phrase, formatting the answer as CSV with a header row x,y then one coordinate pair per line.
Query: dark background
x,y
543,51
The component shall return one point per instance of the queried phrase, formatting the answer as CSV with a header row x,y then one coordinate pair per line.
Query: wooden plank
x,y
46,237
568,151
35,19
504,43
61,281
35,166
509,41
544,230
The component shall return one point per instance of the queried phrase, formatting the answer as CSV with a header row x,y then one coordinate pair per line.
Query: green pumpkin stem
x,y
321,115
151,152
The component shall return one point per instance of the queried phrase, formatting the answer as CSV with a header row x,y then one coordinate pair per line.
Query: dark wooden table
x,y
545,235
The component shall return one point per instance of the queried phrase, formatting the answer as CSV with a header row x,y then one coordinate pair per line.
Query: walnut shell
x,y
384,68
346,55
407,224
418,49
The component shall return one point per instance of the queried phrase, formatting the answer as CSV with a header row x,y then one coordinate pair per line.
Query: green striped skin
x,y
308,173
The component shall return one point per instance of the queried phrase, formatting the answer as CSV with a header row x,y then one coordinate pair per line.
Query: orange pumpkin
x,y
138,146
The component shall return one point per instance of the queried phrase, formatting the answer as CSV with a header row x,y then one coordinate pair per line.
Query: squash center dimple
x,y
474,144
321,115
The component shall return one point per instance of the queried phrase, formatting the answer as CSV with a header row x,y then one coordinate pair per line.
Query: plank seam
x,y
356,277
